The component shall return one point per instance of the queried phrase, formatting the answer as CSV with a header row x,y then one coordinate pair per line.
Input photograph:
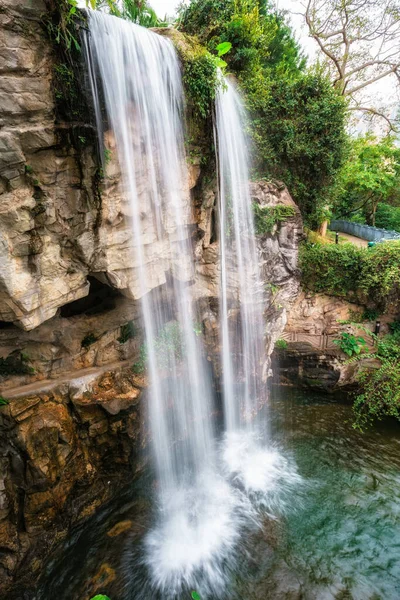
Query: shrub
x,y
367,274
380,394
266,217
350,344
333,269
380,276
297,125
200,75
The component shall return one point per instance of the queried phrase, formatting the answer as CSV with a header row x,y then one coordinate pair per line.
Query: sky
x,y
163,7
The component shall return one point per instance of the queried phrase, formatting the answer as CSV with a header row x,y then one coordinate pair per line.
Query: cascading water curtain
x,y
242,297
137,72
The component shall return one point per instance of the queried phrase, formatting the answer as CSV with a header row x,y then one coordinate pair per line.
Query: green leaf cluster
x,y
370,176
379,395
266,217
350,344
370,275
387,216
200,76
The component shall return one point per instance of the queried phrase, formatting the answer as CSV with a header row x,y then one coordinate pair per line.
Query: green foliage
x,y
370,314
298,130
88,340
369,274
60,25
128,331
168,347
200,76
380,275
350,344
297,118
281,344
387,216
395,327
266,217
370,175
195,595
139,367
15,364
141,13
3,401
100,597
379,395
333,269
260,38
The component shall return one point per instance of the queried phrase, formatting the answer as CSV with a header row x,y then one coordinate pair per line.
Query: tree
x,y
370,176
297,120
137,11
360,43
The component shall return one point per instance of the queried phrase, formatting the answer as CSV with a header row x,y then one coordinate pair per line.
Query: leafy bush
x,y
350,344
266,217
297,125
331,269
380,394
370,314
200,75
367,274
380,276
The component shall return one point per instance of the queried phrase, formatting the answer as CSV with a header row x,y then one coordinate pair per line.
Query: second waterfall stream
x,y
208,489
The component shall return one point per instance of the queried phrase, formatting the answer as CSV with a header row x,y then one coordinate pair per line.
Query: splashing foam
x,y
261,471
198,531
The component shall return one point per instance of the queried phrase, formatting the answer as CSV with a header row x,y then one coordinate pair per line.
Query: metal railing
x,y
365,232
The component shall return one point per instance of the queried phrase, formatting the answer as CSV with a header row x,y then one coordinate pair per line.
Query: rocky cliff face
x,y
69,318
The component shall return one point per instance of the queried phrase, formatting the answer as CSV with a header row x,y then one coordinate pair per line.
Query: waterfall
x,y
205,506
137,73
242,323
247,454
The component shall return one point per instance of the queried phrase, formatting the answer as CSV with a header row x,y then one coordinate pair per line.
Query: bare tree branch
x,y
360,40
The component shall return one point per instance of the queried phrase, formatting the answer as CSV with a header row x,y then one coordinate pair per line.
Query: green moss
x,y
266,217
